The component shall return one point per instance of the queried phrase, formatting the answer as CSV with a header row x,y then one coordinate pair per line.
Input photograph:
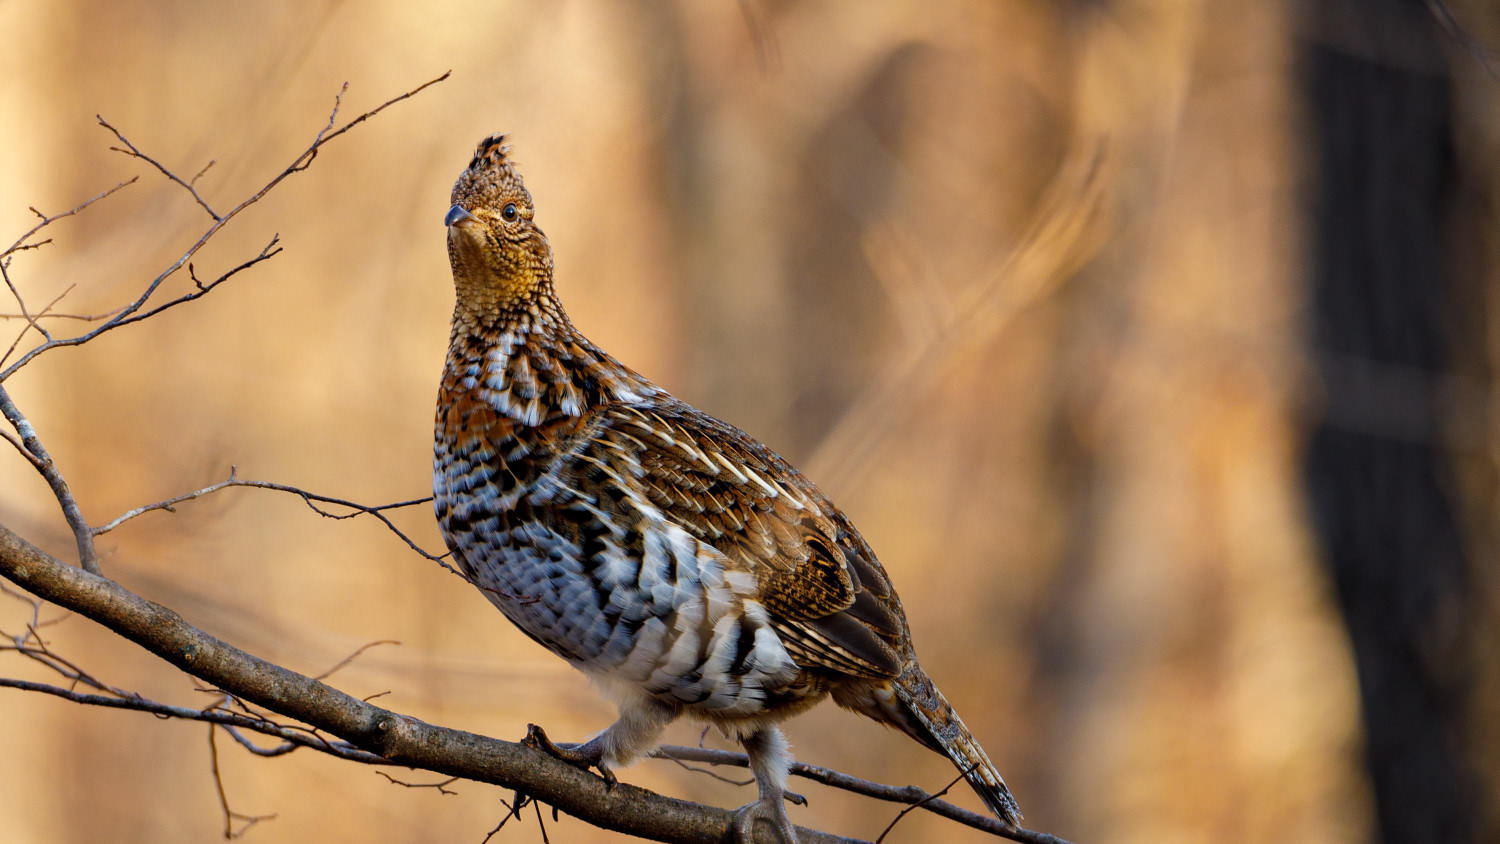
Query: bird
x,y
683,566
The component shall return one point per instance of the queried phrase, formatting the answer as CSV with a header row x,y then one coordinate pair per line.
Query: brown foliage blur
x,y
1014,280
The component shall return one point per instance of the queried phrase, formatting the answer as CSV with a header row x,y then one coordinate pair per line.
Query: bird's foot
x,y
770,808
590,754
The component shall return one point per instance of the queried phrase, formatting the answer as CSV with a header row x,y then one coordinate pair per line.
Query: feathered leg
x,y
770,759
636,732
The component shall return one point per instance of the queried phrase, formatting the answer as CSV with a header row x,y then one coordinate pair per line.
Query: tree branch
x,y
377,736
394,738
87,556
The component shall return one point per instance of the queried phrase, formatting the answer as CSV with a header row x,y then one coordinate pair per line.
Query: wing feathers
x,y
826,594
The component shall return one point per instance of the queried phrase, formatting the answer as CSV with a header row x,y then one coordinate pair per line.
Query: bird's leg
x,y
640,724
770,759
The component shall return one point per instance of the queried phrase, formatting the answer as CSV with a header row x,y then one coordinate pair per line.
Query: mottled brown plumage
x,y
683,565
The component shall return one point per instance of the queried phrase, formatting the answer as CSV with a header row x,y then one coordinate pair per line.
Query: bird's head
x,y
501,261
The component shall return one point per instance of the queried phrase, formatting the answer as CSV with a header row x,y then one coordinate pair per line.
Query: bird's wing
x,y
828,597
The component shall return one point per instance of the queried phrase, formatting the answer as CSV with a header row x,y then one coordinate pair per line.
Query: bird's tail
x,y
934,723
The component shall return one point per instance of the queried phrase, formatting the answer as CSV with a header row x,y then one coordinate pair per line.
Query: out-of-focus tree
x,y
1400,282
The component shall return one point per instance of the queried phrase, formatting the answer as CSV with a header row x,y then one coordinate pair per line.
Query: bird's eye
x,y
510,212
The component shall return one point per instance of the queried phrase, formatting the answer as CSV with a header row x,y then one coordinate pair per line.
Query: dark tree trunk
x,y
1378,100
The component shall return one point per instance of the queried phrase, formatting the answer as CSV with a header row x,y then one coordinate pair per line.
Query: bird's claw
x,y
772,810
585,756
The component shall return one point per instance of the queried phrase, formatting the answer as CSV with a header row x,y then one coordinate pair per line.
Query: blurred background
x,y
1148,342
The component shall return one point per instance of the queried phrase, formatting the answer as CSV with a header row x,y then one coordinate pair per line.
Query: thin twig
x,y
21,242
46,309
308,498
36,605
511,811
279,750
199,174
535,804
80,317
440,786
212,716
10,438
230,816
308,736
351,657
20,302
131,150
904,812
33,321
709,772
121,318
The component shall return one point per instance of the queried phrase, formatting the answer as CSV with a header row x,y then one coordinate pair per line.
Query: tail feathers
x,y
946,733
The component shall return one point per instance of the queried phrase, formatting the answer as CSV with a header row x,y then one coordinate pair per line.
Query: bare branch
x,y
32,458
308,498
440,786
87,556
199,174
127,314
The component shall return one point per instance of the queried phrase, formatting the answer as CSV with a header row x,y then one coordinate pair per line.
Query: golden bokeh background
x,y
1016,281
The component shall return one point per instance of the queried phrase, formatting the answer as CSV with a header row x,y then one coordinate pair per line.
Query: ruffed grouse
x,y
682,565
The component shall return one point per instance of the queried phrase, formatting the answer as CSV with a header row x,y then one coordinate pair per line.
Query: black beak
x,y
458,214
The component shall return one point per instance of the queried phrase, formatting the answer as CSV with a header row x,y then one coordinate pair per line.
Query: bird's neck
x,y
530,365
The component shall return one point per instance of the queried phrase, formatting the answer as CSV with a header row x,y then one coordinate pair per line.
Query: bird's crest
x,y
492,150
491,178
